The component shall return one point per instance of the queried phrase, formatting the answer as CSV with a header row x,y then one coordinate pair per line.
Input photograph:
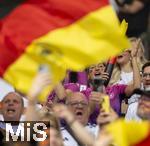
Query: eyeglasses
x,y
145,75
76,104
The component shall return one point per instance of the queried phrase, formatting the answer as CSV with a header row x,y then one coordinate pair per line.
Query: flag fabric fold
x,y
128,133
63,34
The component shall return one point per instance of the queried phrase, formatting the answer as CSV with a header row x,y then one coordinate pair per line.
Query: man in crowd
x,y
78,104
143,110
132,112
12,103
12,107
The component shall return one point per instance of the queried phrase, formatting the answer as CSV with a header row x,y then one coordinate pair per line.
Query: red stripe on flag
x,y
69,9
145,142
35,18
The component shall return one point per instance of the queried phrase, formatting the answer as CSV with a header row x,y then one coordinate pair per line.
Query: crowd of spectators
x,y
74,111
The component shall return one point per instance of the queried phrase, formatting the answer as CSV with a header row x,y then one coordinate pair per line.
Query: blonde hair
x,y
116,75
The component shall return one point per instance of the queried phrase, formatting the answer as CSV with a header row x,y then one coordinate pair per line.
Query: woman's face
x,y
96,70
124,58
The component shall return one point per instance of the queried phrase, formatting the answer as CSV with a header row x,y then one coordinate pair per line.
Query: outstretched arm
x,y
80,132
41,81
136,71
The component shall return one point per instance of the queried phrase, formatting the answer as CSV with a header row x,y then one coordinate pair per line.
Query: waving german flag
x,y
65,34
130,133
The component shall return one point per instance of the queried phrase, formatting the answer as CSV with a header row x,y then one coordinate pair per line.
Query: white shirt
x,y
70,141
132,112
125,78
133,98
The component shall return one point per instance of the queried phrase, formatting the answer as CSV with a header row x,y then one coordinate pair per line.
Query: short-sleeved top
x,y
132,112
116,94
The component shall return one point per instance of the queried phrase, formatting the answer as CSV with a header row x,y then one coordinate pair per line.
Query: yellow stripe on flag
x,y
124,26
21,73
90,40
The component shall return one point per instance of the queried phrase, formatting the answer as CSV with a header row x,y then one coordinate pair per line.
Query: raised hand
x,y
62,111
104,76
106,118
96,97
42,80
135,47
